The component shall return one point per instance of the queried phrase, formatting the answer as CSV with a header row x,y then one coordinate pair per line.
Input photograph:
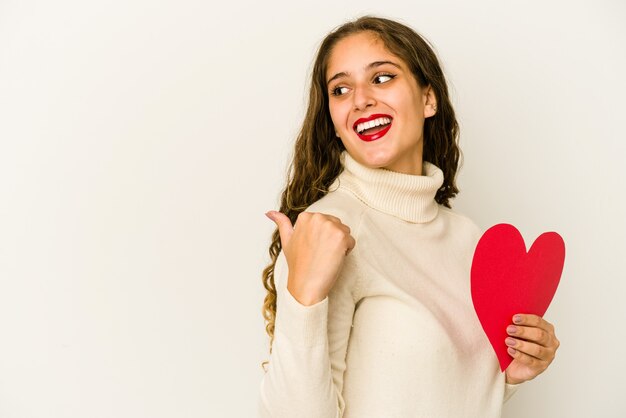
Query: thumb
x,y
285,229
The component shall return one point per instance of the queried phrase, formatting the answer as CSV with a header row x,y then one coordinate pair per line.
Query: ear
x,y
430,102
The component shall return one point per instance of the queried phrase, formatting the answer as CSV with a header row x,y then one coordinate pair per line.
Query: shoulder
x,y
341,204
461,223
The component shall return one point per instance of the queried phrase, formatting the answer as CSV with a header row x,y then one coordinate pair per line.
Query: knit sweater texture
x,y
397,336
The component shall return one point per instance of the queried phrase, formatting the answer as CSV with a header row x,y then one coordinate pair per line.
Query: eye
x,y
337,91
384,75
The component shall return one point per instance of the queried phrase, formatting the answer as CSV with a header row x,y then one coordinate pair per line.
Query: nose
x,y
363,98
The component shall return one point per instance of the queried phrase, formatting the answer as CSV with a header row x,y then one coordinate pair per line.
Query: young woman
x,y
369,310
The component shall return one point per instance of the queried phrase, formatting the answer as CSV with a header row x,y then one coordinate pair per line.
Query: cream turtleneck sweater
x,y
397,336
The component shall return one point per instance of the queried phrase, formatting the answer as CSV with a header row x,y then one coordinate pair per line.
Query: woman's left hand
x,y
532,344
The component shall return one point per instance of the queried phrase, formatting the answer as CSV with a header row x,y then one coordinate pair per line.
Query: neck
x,y
409,163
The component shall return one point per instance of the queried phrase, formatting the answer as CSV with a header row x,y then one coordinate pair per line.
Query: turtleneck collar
x,y
405,196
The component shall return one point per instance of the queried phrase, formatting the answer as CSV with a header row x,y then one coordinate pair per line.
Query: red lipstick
x,y
376,135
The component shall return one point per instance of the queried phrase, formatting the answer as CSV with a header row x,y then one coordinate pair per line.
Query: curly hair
x,y
316,163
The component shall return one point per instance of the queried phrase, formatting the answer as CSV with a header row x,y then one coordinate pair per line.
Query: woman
x,y
369,310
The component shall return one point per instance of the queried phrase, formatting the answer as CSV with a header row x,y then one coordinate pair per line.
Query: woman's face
x,y
366,82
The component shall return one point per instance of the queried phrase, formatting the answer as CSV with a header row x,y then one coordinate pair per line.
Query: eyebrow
x,y
367,67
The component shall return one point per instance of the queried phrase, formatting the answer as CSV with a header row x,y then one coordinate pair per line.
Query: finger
x,y
351,244
530,361
532,349
533,321
332,218
534,334
327,217
285,229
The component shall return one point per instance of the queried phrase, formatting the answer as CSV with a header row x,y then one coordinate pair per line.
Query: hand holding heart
x,y
532,344
507,280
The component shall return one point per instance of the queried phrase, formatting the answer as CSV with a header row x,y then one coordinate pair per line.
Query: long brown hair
x,y
316,164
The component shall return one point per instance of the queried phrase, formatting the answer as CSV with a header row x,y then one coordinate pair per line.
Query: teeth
x,y
372,123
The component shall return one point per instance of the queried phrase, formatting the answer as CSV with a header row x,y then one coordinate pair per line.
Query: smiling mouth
x,y
374,128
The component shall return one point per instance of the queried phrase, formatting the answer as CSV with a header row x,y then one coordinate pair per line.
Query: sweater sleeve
x,y
509,390
304,377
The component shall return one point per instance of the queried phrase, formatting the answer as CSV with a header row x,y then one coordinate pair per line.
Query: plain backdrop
x,y
142,141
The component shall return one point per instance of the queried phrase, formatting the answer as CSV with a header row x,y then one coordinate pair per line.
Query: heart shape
x,y
506,280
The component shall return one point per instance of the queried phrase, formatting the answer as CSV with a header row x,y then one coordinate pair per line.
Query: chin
x,y
376,160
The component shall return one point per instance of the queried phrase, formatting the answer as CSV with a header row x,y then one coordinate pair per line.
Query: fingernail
x,y
511,329
511,350
268,214
517,319
509,341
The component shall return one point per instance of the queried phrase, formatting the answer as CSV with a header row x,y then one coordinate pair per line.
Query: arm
x,y
304,377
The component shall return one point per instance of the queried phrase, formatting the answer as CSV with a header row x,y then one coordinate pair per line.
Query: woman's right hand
x,y
314,253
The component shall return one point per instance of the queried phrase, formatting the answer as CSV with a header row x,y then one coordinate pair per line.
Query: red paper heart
x,y
507,280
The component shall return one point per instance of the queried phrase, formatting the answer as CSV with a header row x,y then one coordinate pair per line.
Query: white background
x,y
141,143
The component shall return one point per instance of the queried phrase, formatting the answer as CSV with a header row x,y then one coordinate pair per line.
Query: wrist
x,y
512,381
304,296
